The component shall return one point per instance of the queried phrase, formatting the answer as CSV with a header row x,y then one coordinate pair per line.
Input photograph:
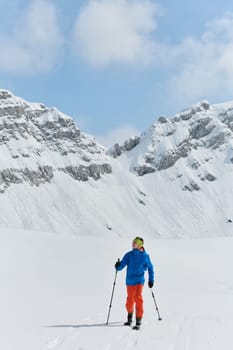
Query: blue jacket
x,y
137,263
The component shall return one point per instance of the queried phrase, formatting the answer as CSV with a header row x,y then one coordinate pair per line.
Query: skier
x,y
137,262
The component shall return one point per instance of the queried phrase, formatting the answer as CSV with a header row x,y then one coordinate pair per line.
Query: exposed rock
x,y
168,159
193,186
45,134
200,129
115,151
176,119
142,193
128,145
144,169
4,95
170,132
33,177
194,163
210,177
186,115
217,140
205,105
162,120
83,173
131,143
149,158
227,118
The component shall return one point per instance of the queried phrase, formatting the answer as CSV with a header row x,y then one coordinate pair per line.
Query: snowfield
x,y
55,293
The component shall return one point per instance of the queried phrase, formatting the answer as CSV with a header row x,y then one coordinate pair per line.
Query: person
x,y
137,261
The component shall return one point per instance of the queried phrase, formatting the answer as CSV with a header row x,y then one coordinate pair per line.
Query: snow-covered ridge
x,y
189,140
36,141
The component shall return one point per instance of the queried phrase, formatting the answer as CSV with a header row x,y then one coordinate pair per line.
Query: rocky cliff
x,y
36,142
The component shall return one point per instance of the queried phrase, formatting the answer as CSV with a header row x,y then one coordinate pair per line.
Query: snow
x,y
55,293
61,205
52,115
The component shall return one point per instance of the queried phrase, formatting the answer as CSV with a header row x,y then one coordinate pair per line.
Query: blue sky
x,y
117,65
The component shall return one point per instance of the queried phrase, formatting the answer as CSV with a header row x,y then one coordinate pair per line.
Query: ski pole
x,y
114,283
156,306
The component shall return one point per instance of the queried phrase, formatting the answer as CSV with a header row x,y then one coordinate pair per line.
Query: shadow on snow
x,y
86,325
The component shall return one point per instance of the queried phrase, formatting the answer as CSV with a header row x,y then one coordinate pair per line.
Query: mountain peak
x,y
197,133
36,142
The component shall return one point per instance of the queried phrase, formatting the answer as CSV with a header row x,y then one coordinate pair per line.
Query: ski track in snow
x,y
184,334
55,343
196,333
187,333
79,338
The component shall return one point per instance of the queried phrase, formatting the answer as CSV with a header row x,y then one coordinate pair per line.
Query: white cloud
x,y
205,64
35,43
118,135
110,31
107,32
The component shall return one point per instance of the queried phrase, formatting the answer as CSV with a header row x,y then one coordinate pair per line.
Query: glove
x,y
117,264
150,284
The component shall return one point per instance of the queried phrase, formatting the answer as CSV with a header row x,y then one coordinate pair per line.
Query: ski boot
x,y
129,320
138,324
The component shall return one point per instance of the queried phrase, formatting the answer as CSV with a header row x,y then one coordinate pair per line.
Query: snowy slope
x,y
172,181
55,294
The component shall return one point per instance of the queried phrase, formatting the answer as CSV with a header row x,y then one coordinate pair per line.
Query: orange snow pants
x,y
134,296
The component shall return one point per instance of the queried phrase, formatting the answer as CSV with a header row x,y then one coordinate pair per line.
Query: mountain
x,y
193,134
37,141
174,180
